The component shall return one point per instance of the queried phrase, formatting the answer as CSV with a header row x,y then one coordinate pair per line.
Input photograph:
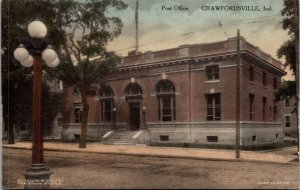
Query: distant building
x,y
56,86
185,95
290,118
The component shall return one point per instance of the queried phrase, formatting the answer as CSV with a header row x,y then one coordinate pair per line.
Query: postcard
x,y
150,94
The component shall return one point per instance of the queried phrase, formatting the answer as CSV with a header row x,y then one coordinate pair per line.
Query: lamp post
x,y
114,118
32,52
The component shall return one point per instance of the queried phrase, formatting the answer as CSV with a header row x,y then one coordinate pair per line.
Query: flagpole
x,y
136,27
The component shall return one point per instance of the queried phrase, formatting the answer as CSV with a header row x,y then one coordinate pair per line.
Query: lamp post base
x,y
37,177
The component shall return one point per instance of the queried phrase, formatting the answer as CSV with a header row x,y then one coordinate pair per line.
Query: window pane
x,y
213,106
166,108
165,86
210,111
134,89
217,112
167,102
217,99
167,118
106,91
209,73
216,75
216,71
167,112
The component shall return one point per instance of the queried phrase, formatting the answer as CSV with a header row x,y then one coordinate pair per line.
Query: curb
x,y
272,150
159,156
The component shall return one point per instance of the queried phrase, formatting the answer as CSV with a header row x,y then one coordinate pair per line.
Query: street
x,y
74,170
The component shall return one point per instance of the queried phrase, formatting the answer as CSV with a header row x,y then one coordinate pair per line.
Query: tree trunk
x,y
85,112
11,138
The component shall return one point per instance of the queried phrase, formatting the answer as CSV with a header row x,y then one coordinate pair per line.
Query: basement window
x,y
164,138
212,138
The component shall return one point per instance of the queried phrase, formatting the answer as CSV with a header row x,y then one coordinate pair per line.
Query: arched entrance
x,y
134,98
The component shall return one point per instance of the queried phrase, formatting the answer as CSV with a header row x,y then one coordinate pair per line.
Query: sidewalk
x,y
194,153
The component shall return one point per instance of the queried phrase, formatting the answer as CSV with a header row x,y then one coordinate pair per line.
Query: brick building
x,y
290,118
185,94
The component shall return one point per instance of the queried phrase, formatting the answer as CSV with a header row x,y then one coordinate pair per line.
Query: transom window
x,y
107,103
165,92
212,72
213,107
133,89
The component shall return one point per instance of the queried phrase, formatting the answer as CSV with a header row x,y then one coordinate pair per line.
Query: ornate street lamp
x,y
114,118
32,52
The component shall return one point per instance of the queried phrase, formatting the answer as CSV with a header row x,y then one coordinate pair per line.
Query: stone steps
x,y
122,137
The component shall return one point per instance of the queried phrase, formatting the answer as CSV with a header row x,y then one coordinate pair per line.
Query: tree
x,y
85,29
79,32
288,49
17,80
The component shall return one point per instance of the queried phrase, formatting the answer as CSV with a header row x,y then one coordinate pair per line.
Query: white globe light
x,y
37,29
21,54
28,62
49,55
53,64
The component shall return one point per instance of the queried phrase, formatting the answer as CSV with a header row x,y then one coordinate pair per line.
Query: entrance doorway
x,y
134,115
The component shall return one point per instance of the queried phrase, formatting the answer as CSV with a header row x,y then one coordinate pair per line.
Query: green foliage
x,y
289,20
84,57
288,89
16,80
87,33
78,31
288,49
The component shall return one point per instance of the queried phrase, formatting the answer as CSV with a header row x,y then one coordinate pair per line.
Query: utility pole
x,y
238,65
136,26
297,74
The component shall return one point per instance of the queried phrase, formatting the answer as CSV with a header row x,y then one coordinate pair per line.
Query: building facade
x,y
186,95
290,118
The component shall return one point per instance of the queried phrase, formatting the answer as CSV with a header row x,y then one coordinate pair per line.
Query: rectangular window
x,y
107,107
213,107
212,72
212,138
264,79
251,106
275,113
275,83
164,138
251,74
287,121
264,108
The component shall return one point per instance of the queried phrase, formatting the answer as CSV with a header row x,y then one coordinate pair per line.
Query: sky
x,y
160,28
